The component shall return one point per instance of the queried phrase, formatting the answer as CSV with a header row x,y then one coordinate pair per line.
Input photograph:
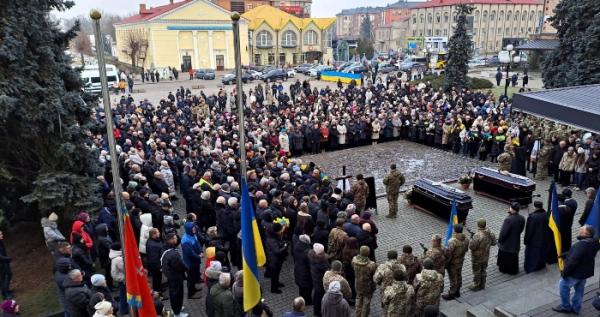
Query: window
x,y
524,17
501,15
532,15
310,37
529,30
476,16
515,31
289,39
438,18
446,17
257,59
329,35
422,18
281,58
414,33
428,32
517,16
437,32
485,16
429,18
264,39
493,15
271,58
445,32
414,19
507,32
499,31
508,15
420,33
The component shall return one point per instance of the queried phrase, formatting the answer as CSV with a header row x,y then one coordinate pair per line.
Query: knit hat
x,y
97,279
9,306
318,248
392,254
364,250
53,217
335,287
103,307
305,238
481,223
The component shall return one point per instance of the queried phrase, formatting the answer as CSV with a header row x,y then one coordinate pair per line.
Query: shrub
x,y
438,81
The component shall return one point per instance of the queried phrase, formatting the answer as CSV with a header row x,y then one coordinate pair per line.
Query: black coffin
x,y
437,198
504,186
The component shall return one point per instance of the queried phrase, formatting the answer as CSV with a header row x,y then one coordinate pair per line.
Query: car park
x,y
229,79
386,68
356,69
206,74
303,68
274,75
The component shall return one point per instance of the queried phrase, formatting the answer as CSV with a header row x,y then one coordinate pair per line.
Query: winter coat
x,y
145,231
275,250
334,305
509,239
191,248
172,265
77,297
222,300
376,128
51,233
318,266
62,267
168,177
579,263
302,275
364,269
117,268
153,249
78,227
567,162
284,142
103,243
341,129
82,258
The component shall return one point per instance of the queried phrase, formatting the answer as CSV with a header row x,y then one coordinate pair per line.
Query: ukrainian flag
x,y
451,222
253,253
554,223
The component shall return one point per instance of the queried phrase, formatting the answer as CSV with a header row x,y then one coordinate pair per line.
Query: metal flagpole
x,y
114,159
235,18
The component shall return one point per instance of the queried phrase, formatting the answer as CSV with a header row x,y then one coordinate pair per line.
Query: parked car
x,y
476,61
344,65
492,61
356,69
291,73
274,75
205,74
387,68
229,79
316,71
255,74
303,68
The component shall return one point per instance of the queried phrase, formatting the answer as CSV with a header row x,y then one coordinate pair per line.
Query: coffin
x,y
437,198
503,186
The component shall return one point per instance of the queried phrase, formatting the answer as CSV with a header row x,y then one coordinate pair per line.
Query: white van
x,y
90,75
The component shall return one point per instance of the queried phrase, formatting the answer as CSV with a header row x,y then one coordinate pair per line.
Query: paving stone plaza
x,y
413,226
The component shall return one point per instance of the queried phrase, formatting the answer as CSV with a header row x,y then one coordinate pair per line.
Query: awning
x,y
577,106
539,45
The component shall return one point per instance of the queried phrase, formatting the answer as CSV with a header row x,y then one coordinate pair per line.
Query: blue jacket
x,y
579,263
191,247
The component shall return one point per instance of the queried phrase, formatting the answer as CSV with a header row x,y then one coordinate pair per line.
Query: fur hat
x,y
319,248
103,307
53,217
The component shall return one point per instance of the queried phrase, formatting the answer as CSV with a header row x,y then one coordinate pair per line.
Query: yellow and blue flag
x,y
253,253
453,220
593,219
554,224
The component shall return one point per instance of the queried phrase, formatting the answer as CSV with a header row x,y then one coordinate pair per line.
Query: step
x,y
479,311
453,308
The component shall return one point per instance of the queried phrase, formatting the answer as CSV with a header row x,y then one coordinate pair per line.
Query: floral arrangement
x,y
283,221
465,179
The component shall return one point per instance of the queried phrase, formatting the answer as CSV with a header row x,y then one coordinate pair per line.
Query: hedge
x,y
438,81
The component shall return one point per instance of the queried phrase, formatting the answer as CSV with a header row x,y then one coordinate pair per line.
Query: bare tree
x,y
136,41
82,45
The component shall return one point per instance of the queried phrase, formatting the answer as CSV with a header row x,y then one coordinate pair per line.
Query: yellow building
x,y
277,37
186,34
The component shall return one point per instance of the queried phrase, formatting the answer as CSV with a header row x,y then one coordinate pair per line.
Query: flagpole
x,y
114,159
235,18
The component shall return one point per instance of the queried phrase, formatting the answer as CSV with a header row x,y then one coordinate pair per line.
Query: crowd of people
x,y
187,148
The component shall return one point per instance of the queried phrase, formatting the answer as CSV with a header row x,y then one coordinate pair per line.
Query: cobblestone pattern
x,y
411,227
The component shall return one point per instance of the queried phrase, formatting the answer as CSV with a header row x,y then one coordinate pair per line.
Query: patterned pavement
x,y
411,227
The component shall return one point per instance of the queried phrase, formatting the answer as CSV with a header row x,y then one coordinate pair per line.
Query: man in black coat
x,y
276,251
77,294
187,181
589,203
579,266
535,240
154,249
302,275
174,270
566,215
557,154
509,240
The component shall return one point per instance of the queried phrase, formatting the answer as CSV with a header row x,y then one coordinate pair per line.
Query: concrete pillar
x,y
196,50
211,53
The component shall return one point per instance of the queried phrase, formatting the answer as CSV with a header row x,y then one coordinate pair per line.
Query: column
x,y
211,54
178,52
229,35
195,40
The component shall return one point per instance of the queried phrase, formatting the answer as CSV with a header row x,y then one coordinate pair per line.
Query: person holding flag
x,y
457,248
555,224
509,240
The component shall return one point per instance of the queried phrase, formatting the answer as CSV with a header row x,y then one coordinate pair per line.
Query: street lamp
x,y
427,52
510,49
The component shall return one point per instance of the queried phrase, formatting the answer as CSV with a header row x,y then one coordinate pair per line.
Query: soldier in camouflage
x,y
457,248
336,274
384,275
392,181
505,159
480,254
437,254
360,192
411,262
428,287
543,158
364,269
398,299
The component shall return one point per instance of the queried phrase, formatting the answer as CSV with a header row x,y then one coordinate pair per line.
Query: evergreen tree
x,y
576,61
366,28
365,47
45,163
460,48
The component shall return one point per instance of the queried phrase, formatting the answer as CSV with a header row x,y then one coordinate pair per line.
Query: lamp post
x,y
427,52
510,49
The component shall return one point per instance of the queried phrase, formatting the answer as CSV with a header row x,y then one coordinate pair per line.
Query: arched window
x,y
446,17
264,39
517,16
532,15
508,15
310,37
290,39
476,16
484,18
429,18
524,16
438,18
414,19
501,15
493,15
422,18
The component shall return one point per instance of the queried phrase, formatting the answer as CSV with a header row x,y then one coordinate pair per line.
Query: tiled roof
x,y
277,19
150,13
405,4
440,3
540,45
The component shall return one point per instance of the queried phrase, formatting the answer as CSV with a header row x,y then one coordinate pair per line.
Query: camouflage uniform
x,y
438,256
428,286
480,253
413,266
457,248
542,160
335,243
398,300
392,181
384,277
364,269
331,276
360,192
505,159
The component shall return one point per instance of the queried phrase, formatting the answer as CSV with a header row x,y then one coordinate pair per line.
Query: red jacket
x,y
78,228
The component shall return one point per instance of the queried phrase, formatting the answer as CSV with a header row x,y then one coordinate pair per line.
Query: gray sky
x,y
320,8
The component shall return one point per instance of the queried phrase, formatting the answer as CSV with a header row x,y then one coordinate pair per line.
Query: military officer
x,y
457,248
392,181
398,298
428,287
384,275
480,245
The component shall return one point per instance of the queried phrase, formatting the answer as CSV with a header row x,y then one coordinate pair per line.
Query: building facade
x,y
278,38
549,6
391,37
491,24
348,21
299,8
187,34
